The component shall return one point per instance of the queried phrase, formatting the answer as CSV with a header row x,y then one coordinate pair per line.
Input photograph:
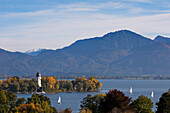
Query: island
x,y
49,84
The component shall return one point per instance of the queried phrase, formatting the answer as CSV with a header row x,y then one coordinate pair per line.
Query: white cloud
x,y
144,1
82,9
92,7
56,28
28,14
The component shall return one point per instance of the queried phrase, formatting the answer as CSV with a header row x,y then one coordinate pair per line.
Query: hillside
x,y
162,39
117,53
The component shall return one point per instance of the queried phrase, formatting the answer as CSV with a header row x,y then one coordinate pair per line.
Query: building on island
x,y
38,75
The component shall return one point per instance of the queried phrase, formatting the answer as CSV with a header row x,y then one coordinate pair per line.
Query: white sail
x,y
152,95
130,90
59,100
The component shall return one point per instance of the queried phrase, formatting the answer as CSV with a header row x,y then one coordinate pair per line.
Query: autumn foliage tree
x,y
1,82
48,82
8,101
85,110
83,84
29,108
115,99
51,84
15,84
36,104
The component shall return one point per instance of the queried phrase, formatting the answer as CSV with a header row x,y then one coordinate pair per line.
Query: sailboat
x,y
152,95
59,100
130,90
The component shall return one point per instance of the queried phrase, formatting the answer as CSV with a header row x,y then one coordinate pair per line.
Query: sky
x,y
53,24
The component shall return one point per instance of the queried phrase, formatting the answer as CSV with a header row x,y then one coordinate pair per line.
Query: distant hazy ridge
x,y
118,53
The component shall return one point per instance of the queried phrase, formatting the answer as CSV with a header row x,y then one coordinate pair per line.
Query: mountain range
x,y
116,53
34,52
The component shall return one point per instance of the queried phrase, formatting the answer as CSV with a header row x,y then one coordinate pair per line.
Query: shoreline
x,y
109,78
56,92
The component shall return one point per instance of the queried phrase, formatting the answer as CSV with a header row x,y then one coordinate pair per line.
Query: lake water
x,y
140,87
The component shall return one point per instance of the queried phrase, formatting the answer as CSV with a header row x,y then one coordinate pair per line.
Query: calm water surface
x,y
140,87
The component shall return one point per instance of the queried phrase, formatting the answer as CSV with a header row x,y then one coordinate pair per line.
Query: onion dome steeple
x,y
38,74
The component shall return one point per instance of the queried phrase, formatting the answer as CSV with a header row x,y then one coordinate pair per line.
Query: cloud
x,y
83,6
28,14
142,1
81,9
62,25
53,34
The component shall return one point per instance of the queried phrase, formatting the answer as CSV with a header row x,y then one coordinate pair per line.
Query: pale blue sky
x,y
28,24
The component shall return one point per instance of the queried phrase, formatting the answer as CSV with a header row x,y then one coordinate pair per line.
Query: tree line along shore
x,y
51,85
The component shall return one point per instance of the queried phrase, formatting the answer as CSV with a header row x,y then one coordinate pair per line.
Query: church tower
x,y
38,75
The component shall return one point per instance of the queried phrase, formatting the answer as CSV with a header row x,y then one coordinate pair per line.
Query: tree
x,y
98,85
32,87
115,98
24,86
143,104
4,103
92,77
9,101
49,82
85,110
5,85
80,86
30,108
20,101
96,82
65,85
83,84
57,85
42,100
38,99
47,108
1,82
92,103
11,97
14,87
163,106
67,110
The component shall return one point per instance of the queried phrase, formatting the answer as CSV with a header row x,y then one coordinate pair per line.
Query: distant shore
x,y
62,77
121,78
